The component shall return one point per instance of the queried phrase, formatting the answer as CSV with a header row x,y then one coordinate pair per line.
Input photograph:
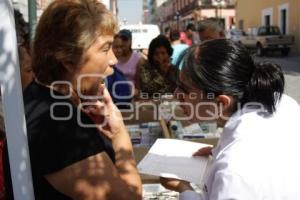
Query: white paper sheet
x,y
173,159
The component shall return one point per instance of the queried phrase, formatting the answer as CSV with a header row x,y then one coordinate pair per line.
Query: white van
x,y
142,34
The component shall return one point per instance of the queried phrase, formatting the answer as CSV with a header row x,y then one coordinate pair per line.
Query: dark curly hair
x,y
159,41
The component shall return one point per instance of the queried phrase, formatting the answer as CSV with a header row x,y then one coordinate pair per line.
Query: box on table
x,y
184,123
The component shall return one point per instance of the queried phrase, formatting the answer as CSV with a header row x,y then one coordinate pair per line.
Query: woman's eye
x,y
106,50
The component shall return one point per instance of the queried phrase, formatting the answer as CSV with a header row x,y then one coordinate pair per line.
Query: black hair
x,y
174,35
167,29
224,67
159,41
22,30
191,26
124,34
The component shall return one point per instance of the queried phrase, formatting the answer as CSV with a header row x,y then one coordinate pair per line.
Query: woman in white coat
x,y
258,153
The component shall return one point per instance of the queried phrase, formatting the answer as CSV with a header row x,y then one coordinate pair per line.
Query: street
x,y
291,68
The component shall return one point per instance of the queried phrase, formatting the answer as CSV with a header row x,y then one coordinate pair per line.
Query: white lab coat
x,y
257,157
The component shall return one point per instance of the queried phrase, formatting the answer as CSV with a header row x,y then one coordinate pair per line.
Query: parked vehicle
x,y
268,38
142,34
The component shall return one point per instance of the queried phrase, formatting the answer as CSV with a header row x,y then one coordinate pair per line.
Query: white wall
x,y
15,126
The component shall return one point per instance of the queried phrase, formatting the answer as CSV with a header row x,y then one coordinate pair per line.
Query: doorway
x,y
283,18
267,17
267,20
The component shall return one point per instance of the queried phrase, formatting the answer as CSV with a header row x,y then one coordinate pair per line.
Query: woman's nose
x,y
161,57
112,59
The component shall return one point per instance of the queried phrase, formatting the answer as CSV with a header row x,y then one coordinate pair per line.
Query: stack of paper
x,y
173,158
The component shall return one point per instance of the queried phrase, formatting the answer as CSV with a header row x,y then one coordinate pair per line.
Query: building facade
x,y
154,8
282,13
224,10
178,13
146,6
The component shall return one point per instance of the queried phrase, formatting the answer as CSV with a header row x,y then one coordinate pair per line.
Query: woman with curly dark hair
x,y
158,75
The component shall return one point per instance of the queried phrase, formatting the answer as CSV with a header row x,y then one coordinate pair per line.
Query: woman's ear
x,y
69,66
224,103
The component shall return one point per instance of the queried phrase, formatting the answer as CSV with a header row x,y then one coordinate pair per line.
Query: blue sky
x,y
131,10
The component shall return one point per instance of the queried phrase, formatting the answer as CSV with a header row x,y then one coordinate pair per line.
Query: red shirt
x,y
185,39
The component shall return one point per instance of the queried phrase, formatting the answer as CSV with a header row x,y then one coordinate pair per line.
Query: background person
x,y
210,29
178,48
190,36
127,59
69,160
167,33
158,75
256,157
27,75
119,89
22,30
